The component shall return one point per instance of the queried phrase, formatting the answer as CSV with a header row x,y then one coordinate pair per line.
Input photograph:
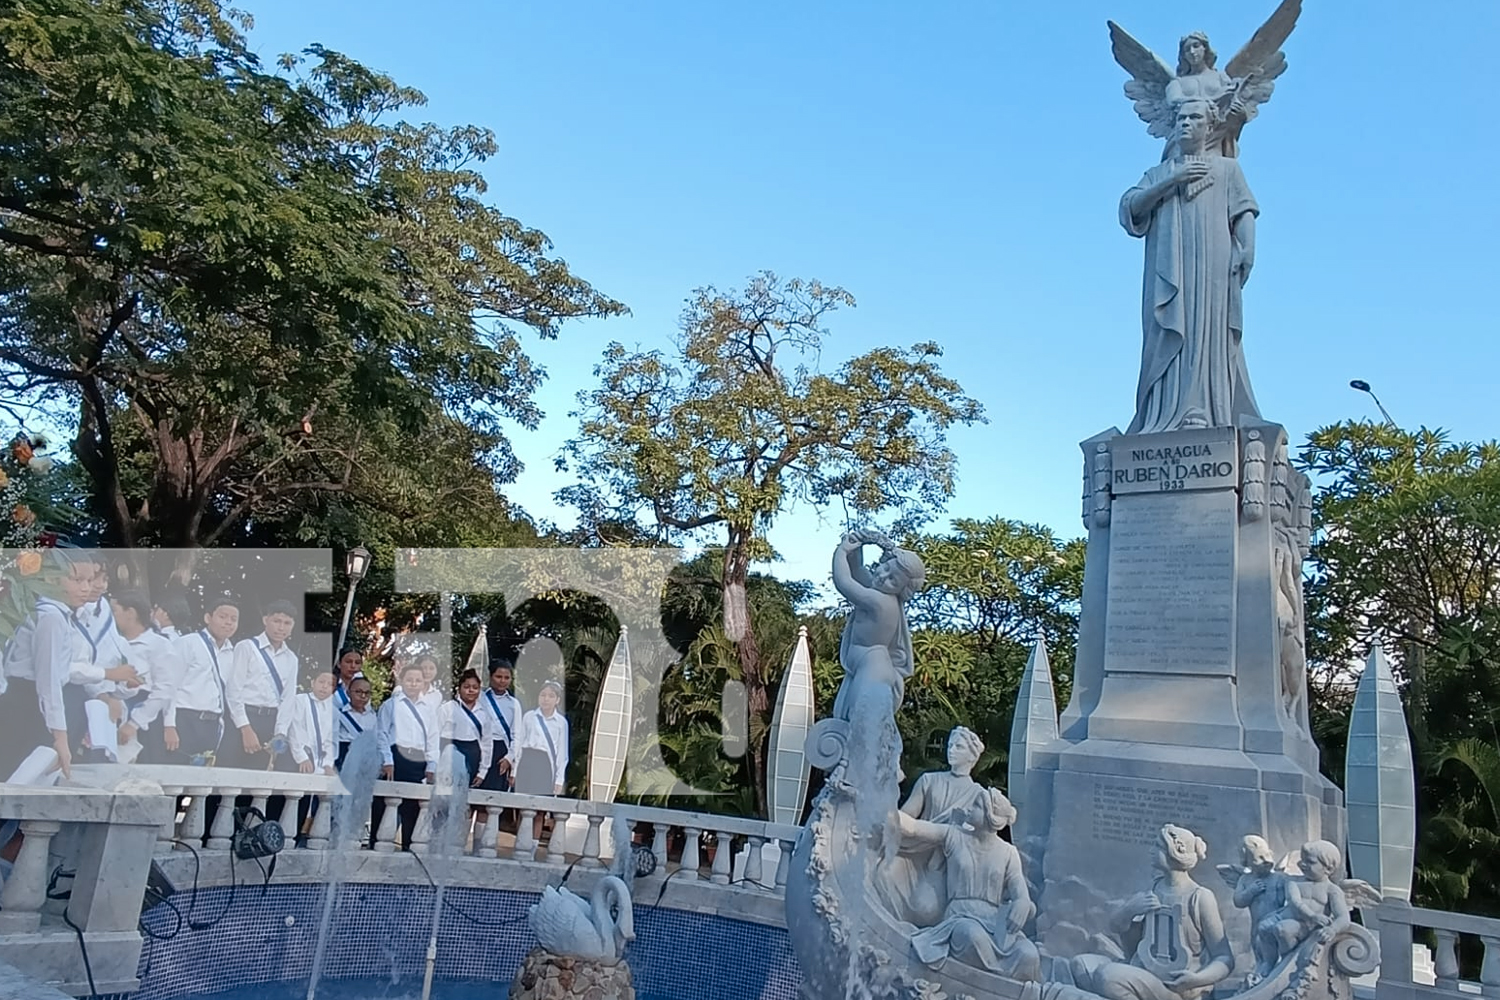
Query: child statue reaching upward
x,y
876,647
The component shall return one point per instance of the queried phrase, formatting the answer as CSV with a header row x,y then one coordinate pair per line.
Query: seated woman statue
x,y
911,883
1192,915
987,899
876,645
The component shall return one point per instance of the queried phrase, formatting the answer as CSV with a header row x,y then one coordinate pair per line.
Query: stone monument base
x,y
1117,796
545,976
1189,697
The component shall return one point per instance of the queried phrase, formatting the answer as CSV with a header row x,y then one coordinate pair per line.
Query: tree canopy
x,y
738,423
1407,552
253,287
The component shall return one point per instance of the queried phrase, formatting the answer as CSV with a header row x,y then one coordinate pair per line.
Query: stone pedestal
x,y
545,976
1188,704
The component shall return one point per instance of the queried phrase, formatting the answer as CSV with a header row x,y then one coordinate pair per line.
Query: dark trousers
x,y
22,728
232,751
263,721
413,771
197,733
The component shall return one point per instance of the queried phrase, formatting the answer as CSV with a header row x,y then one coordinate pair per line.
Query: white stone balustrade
x,y
96,846
1400,924
188,792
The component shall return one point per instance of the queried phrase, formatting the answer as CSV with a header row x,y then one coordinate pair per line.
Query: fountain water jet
x,y
360,771
449,815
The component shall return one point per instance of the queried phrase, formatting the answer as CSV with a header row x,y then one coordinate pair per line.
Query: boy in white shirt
x,y
160,668
262,680
306,723
193,725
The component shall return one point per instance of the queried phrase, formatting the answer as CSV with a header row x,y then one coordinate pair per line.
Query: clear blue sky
x,y
957,168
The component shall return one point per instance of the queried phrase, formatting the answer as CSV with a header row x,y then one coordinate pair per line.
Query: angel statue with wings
x,y
1237,91
1197,216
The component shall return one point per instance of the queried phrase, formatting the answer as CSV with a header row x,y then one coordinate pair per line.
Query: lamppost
x,y
356,565
1360,385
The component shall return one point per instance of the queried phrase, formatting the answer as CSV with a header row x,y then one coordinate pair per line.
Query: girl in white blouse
x,y
469,728
542,746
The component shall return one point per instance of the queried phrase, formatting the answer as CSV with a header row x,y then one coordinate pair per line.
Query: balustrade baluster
x,y
1445,959
1489,969
557,840
193,822
659,847
322,824
526,836
168,831
25,891
421,836
755,861
690,862
591,847
288,821
723,864
385,837
221,834
784,865
489,839
258,800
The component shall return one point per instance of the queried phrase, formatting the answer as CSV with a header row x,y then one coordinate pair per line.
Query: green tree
x,y
1407,552
993,587
737,424
254,287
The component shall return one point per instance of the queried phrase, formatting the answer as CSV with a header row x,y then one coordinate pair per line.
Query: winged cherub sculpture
x,y
1237,91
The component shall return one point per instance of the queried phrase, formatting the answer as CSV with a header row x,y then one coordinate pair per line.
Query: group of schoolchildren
x,y
115,677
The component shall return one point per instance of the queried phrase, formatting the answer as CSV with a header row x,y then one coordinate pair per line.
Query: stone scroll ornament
x,y
1197,216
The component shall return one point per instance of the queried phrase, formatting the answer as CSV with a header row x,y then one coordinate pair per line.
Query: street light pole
x,y
1360,385
356,565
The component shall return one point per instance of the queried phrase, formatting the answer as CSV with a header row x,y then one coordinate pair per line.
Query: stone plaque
x,y
1172,584
1126,812
1204,459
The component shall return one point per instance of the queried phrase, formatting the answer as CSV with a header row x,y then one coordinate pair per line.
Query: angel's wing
x,y
1288,865
1255,67
1361,895
1147,87
1230,874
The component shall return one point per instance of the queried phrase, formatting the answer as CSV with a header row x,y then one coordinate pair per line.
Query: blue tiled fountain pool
x,y
262,948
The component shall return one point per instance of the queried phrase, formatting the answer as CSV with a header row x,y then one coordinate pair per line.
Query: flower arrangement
x,y
23,536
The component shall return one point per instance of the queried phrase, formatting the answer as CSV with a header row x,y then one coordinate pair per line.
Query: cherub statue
x,y
1315,903
876,645
1237,91
1259,885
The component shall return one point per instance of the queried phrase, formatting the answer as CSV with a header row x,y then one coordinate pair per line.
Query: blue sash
x,y
495,707
312,706
343,695
106,623
541,720
213,654
350,716
418,716
88,637
478,729
271,668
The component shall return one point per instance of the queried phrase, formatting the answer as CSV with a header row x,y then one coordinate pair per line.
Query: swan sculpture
x,y
567,924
